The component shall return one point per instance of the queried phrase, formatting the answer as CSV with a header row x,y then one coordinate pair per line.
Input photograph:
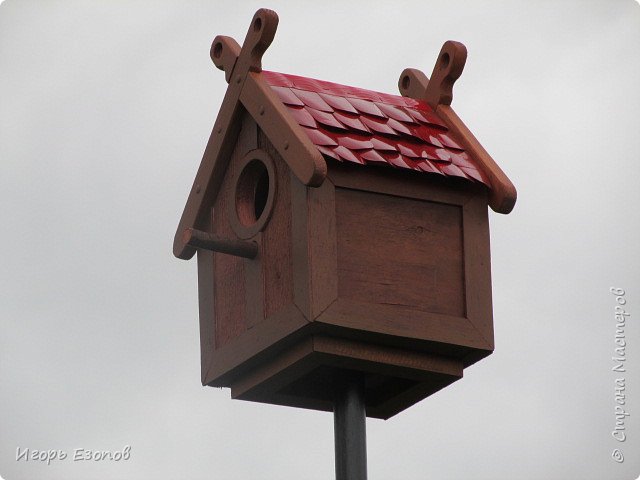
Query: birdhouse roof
x,y
308,120
371,128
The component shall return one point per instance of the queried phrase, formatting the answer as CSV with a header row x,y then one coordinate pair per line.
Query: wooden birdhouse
x,y
340,229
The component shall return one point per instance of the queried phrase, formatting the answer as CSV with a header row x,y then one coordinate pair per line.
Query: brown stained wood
x,y
413,83
376,321
446,71
376,270
301,375
225,130
255,345
403,184
399,251
477,267
207,241
292,361
229,302
277,262
388,360
322,247
206,307
503,195
300,247
224,54
254,287
211,171
230,295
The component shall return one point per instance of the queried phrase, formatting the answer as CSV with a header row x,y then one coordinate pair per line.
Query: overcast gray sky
x,y
105,111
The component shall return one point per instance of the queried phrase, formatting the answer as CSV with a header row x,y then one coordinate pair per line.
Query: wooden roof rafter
x,y
438,93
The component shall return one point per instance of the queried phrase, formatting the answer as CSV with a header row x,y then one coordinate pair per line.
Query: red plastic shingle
x,y
452,170
398,127
433,140
354,142
443,155
325,118
383,146
397,160
378,125
303,117
287,96
447,141
313,100
346,154
409,150
427,166
394,112
363,126
461,159
338,103
319,138
365,106
373,156
475,174
351,121
328,151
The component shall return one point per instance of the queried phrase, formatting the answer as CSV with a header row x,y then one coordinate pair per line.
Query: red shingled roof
x,y
366,127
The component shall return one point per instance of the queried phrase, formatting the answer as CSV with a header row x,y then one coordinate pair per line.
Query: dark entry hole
x,y
252,192
262,193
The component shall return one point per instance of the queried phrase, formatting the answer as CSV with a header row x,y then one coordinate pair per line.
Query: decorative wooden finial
x,y
225,51
446,71
439,89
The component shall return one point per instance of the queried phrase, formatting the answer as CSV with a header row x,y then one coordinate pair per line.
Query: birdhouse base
x,y
304,375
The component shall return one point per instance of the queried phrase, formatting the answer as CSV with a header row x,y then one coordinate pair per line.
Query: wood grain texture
x,y
304,375
256,345
503,194
399,251
402,183
378,321
229,271
206,306
322,247
277,263
300,247
477,267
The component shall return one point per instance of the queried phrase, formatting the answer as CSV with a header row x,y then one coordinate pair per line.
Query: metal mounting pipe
x,y
349,423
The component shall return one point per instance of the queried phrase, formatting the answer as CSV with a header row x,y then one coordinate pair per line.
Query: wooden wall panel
x,y
276,251
400,251
228,270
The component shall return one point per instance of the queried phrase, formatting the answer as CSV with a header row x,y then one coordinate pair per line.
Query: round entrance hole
x,y
254,194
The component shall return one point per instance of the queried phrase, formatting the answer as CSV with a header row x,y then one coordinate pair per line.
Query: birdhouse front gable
x,y
338,228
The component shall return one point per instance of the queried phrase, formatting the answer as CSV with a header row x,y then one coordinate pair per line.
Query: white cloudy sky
x,y
105,110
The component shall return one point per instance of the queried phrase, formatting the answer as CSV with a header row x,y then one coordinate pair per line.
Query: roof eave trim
x,y
415,84
502,194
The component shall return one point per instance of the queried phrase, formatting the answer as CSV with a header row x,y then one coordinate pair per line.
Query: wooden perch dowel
x,y
200,239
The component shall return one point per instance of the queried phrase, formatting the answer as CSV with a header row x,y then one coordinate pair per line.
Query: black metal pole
x,y
349,423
